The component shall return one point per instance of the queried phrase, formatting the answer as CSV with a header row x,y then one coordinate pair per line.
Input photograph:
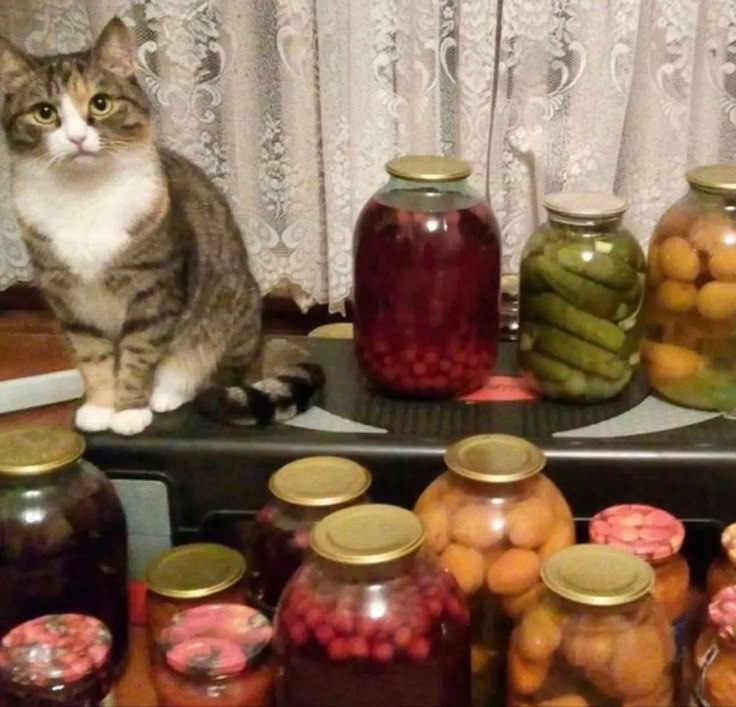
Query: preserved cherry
x,y
371,620
426,281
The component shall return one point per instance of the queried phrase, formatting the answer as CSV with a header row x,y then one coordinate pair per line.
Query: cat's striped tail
x,y
276,399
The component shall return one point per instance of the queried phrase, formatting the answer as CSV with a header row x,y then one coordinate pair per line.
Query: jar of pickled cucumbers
x,y
581,284
426,292
596,637
492,519
689,351
722,570
371,619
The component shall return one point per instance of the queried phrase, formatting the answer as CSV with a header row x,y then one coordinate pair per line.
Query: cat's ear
x,y
15,65
114,51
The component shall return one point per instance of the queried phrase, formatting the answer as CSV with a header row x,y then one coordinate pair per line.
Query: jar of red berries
x,y
426,288
371,619
56,660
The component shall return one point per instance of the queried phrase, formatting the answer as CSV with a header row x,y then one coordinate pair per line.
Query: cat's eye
x,y
45,113
100,104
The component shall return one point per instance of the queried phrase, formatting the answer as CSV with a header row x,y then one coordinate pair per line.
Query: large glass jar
x,y
426,289
581,285
58,660
371,619
716,682
63,537
596,637
214,655
690,310
722,570
492,519
189,575
304,492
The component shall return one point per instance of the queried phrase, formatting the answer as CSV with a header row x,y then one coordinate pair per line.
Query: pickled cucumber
x,y
575,352
544,367
597,299
601,267
583,387
530,278
550,308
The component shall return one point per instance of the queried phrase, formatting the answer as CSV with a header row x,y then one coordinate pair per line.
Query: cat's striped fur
x,y
135,249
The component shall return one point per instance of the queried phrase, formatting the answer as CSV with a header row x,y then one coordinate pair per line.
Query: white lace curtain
x,y
293,106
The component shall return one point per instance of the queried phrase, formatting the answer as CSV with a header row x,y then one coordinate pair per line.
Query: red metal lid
x,y
722,612
728,542
215,639
53,649
646,531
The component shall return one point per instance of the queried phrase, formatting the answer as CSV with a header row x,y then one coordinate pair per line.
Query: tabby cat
x,y
136,251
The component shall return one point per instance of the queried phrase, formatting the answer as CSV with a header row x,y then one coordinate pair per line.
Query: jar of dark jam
x,y
63,537
58,660
372,620
189,575
304,492
426,289
214,654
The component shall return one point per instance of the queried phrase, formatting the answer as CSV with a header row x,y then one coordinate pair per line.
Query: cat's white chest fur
x,y
88,216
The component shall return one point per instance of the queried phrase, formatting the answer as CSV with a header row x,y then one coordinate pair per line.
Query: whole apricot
x,y
465,564
514,572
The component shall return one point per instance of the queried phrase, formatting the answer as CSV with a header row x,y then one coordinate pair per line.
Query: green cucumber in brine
x,y
626,249
530,279
545,367
597,299
597,388
550,308
585,260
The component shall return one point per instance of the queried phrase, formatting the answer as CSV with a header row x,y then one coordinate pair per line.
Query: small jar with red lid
x,y
303,492
214,655
722,571
656,536
56,660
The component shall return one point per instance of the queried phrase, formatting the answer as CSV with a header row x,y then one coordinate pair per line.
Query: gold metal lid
x,y
597,575
583,206
320,481
38,449
338,330
370,534
428,168
716,178
195,570
494,458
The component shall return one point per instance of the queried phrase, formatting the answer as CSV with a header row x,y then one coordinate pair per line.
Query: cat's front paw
x,y
132,421
93,418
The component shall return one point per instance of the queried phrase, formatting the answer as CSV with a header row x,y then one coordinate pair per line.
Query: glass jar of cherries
x,y
304,492
371,619
426,286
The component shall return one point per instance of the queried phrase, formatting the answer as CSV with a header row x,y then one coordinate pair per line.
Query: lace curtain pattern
x,y
293,106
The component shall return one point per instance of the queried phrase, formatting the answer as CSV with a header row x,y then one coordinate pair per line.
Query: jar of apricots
x,y
596,637
493,518
689,350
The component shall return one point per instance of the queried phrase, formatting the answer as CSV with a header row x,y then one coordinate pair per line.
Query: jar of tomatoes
x,y
189,575
690,309
63,536
214,654
371,619
492,519
303,492
57,660
582,276
596,637
426,288
656,537
716,683
722,571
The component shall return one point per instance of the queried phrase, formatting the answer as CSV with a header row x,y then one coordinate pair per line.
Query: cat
x,y
135,249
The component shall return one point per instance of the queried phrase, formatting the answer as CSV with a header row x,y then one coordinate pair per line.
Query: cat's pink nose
x,y
77,139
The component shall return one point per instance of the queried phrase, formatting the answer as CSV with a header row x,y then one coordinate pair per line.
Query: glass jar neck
x,y
458,186
369,574
47,478
586,227
495,489
712,200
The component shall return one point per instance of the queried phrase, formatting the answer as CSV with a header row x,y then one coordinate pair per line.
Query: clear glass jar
x,y
371,619
63,537
492,519
581,285
189,575
596,637
690,309
57,660
304,492
716,682
722,570
214,655
426,287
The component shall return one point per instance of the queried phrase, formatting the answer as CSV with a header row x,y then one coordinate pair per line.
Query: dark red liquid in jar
x,y
426,292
